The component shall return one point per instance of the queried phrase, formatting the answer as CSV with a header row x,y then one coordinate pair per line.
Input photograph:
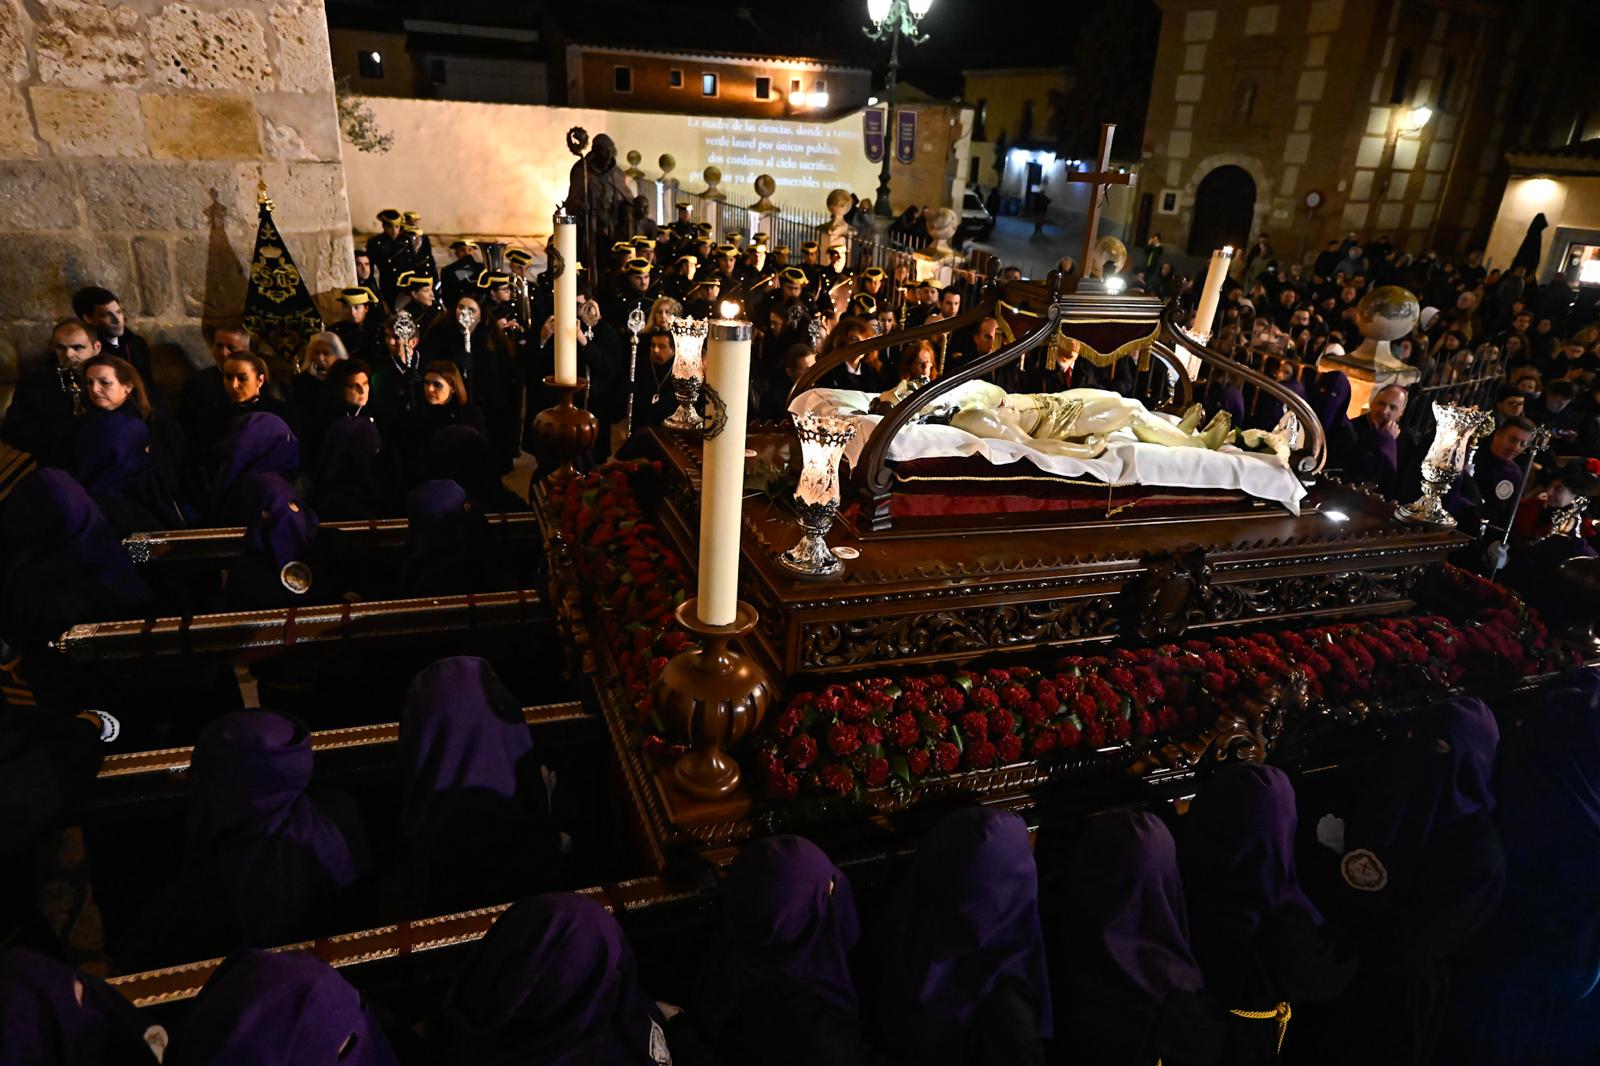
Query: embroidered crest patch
x,y
296,577
1504,489
1363,871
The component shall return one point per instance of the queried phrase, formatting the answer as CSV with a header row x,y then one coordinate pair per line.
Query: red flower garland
x,y
896,732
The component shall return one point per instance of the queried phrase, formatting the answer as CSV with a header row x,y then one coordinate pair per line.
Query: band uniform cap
x,y
406,278
809,246
355,296
412,217
782,249
637,265
621,246
520,255
733,236
464,242
924,284
702,227
643,242
713,282
491,280
727,249
794,274
836,249
691,260
864,303
410,229
389,214
760,239
874,273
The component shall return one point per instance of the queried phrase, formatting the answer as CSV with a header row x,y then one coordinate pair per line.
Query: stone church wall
x,y
132,137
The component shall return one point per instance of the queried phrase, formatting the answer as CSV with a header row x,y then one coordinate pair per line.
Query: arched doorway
x,y
1224,210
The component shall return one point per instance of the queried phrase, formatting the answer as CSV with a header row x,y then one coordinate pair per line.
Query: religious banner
x,y
872,134
278,309
905,137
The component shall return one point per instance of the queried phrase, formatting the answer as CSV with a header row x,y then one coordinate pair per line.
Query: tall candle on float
x,y
727,391
565,241
1206,314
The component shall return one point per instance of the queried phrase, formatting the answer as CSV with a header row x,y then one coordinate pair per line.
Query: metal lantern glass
x,y
688,370
1457,429
822,443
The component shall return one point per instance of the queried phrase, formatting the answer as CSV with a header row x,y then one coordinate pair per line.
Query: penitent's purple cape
x,y
965,918
554,983
787,913
288,1008
279,856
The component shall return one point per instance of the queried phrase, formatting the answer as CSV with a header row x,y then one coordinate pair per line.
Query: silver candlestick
x,y
1457,430
816,501
688,370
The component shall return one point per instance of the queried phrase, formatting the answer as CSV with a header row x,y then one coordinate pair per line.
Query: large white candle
x,y
727,392
565,240
1205,315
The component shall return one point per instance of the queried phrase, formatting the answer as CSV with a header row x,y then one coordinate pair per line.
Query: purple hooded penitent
x,y
461,729
51,520
788,914
554,983
282,527
289,1008
258,443
43,1021
965,918
278,854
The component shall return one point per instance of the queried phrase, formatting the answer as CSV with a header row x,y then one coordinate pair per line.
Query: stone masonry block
x,y
211,272
299,126
196,126
301,29
158,196
43,271
38,196
83,122
154,267
16,130
13,42
195,49
88,45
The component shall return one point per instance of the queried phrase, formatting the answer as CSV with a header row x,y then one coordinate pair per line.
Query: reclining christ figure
x,y
1073,423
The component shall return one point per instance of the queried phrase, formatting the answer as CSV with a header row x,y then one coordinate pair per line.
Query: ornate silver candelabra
x,y
688,370
816,499
1457,429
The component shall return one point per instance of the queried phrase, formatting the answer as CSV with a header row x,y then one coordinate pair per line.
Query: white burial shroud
x,y
1126,460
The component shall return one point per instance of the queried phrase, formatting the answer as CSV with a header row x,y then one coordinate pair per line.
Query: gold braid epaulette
x,y
1280,1014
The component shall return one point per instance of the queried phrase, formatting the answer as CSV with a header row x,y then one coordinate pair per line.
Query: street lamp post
x,y
893,19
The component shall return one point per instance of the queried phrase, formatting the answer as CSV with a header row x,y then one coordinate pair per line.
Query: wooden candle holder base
x,y
712,697
565,431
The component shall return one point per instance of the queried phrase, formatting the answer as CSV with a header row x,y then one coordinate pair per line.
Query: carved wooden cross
x,y
1096,180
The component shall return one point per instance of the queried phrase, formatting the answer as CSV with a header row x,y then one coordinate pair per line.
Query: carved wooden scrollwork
x,y
1245,735
1311,592
972,631
1170,596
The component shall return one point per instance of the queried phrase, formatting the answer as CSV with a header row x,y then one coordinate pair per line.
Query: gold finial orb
x,y
1109,254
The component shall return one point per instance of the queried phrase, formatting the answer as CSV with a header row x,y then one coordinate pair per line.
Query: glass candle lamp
x,y
822,442
1457,429
688,370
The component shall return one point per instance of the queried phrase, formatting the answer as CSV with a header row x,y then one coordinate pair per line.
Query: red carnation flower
x,y
1045,743
913,703
952,701
1046,691
1084,705
788,721
974,725
871,735
1122,728
1034,714
903,730
1095,733
801,752
838,779
946,756
1010,748
843,739
917,762
1014,695
986,697
876,772
1068,736
658,664
674,641
1000,723
981,755
1147,724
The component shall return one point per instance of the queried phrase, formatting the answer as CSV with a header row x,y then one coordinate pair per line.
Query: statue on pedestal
x,y
1385,314
598,195
837,231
